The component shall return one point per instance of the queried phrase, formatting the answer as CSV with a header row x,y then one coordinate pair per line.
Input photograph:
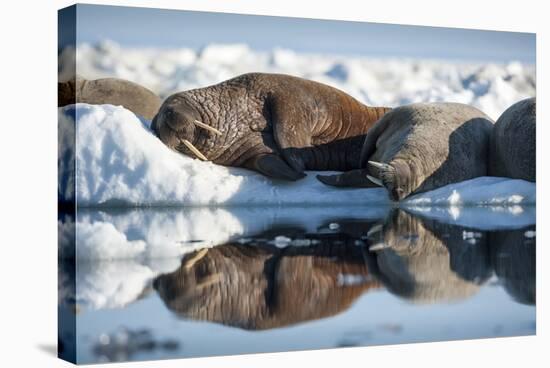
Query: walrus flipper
x,y
354,178
274,166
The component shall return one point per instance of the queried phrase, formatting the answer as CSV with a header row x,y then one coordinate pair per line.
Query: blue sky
x,y
176,28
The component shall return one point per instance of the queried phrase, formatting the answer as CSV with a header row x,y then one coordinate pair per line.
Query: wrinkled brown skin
x,y
276,124
428,145
260,287
426,261
513,142
113,91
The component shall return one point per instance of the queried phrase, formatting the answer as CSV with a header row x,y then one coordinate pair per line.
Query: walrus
x,y
420,147
513,142
275,124
514,257
426,261
113,91
258,287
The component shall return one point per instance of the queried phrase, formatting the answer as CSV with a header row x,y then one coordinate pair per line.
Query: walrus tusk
x,y
194,259
210,280
381,166
194,150
378,246
207,127
375,180
375,229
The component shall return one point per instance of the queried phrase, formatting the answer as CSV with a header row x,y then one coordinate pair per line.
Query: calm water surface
x,y
268,280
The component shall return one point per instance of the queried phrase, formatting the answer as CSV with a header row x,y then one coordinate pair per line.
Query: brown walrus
x,y
261,287
420,147
513,142
276,124
113,91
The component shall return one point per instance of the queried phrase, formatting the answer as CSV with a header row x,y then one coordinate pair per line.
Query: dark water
x,y
280,280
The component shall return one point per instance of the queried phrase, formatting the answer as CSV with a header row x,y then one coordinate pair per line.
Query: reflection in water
x,y
274,270
426,261
260,286
123,344
514,259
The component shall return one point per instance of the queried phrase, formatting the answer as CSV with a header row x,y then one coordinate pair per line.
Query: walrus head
x,y
178,125
394,176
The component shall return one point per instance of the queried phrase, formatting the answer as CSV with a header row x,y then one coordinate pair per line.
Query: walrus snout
x,y
173,124
394,176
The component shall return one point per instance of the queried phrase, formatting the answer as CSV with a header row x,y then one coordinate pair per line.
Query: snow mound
x,y
490,191
120,162
491,87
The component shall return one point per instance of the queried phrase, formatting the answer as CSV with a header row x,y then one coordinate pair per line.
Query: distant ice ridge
x,y
120,162
375,81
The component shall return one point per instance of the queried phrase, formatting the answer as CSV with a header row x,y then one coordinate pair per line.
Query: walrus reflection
x,y
262,287
514,258
425,261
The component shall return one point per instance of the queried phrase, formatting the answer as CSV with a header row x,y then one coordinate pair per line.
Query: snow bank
x,y
479,191
388,82
120,162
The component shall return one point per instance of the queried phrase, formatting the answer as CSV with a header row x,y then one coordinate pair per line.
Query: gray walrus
x,y
276,124
427,261
420,147
513,142
114,91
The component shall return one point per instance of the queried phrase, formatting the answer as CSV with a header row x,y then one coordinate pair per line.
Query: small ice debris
x,y
530,234
281,241
454,198
471,235
359,243
454,211
104,339
301,242
515,198
333,226
515,210
244,240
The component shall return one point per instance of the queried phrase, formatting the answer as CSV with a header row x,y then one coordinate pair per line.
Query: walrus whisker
x,y
375,180
194,150
207,127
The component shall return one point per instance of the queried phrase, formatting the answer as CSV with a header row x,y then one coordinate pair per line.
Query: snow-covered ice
x,y
119,162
